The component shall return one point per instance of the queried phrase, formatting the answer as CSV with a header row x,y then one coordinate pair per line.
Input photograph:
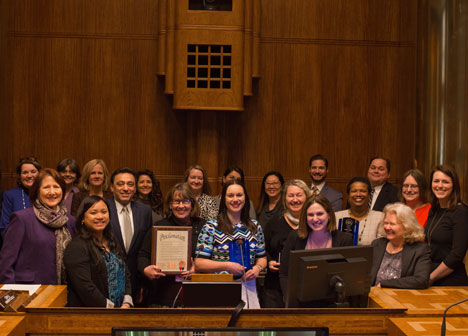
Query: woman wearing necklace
x,y
94,181
96,271
413,193
32,252
447,229
401,259
358,190
17,198
197,180
269,203
182,211
295,194
233,243
317,230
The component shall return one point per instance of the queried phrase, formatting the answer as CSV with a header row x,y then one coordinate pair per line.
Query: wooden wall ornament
x,y
208,52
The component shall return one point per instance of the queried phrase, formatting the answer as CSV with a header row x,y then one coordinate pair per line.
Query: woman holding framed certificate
x,y
182,212
233,243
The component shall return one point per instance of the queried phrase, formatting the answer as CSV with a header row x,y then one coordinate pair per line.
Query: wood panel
x,y
430,326
57,321
335,77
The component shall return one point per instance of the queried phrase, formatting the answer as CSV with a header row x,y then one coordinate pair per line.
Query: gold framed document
x,y
171,248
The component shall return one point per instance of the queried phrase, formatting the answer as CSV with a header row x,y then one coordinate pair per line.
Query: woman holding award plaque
x,y
182,211
233,243
359,220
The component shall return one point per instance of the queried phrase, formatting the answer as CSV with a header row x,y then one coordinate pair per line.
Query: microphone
x,y
442,330
240,242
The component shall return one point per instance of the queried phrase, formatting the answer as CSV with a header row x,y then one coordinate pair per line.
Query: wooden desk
x,y
427,302
48,296
99,321
12,325
427,326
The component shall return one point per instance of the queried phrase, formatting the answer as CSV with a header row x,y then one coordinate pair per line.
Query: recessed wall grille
x,y
209,66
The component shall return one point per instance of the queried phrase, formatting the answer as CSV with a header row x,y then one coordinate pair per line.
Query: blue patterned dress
x,y
115,277
215,245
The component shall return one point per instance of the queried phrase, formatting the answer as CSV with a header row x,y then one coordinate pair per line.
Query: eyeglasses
x,y
183,202
412,186
272,184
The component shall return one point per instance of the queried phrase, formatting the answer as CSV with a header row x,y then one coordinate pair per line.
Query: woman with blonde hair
x,y
316,230
295,194
197,180
94,181
401,259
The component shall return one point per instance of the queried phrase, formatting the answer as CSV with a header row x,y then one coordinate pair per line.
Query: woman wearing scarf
x,y
36,238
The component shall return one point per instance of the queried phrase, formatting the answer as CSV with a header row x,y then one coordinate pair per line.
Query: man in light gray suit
x,y
318,170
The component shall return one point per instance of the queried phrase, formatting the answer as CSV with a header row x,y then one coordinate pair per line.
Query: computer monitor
x,y
303,331
331,274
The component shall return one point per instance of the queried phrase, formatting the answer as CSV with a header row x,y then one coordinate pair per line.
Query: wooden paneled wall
x,y
338,77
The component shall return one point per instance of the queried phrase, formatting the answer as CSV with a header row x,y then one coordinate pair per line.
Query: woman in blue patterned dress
x,y
233,243
96,271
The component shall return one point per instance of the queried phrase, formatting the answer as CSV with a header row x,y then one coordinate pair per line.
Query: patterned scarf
x,y
56,220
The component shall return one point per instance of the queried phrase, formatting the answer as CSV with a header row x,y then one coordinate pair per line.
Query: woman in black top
x,y
277,230
149,192
182,211
317,230
96,271
269,203
447,229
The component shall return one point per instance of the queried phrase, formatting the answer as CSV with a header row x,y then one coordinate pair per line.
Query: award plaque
x,y
349,225
171,248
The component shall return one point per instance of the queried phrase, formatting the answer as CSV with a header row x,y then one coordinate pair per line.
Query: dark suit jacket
x,y
416,265
334,196
142,221
29,254
388,194
87,278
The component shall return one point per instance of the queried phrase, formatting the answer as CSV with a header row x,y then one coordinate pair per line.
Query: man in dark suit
x,y
129,220
383,192
318,170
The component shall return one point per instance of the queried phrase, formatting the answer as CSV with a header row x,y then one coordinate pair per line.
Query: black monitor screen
x,y
219,331
317,275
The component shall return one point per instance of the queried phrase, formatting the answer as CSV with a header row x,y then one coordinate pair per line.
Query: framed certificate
x,y
171,248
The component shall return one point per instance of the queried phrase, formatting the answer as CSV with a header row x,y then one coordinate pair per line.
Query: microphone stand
x,y
240,242
442,329
199,249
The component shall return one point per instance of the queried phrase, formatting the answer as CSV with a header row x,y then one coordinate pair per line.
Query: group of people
x,y
92,230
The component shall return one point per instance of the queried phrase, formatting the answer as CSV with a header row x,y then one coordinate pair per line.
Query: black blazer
x,y
142,221
388,194
87,277
416,265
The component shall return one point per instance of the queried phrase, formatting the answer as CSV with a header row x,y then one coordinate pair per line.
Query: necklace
x,y
431,227
364,223
22,196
